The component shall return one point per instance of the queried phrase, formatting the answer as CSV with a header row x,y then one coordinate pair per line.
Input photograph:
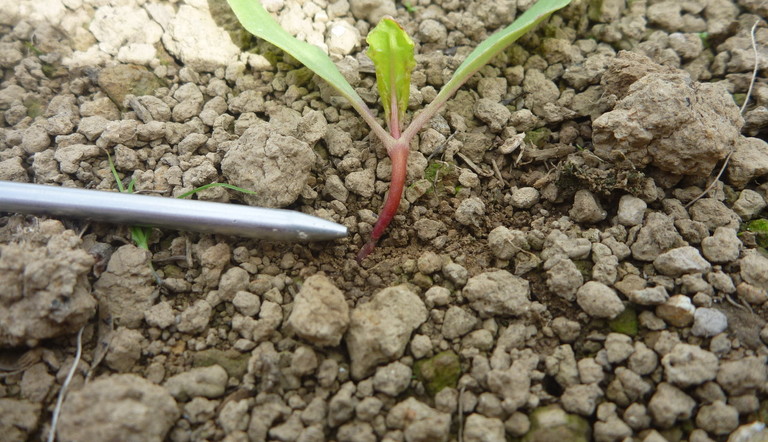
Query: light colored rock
x,y
678,311
586,208
687,365
708,322
754,269
717,418
274,166
656,236
618,347
129,408
506,243
524,197
209,382
124,349
320,313
743,375
457,322
379,330
662,112
631,210
392,379
680,261
749,204
563,278
649,295
581,398
195,318
599,300
120,26
498,293
723,246
669,405
182,39
470,211
342,38
418,421
479,428
713,213
749,161
372,10
46,292
19,418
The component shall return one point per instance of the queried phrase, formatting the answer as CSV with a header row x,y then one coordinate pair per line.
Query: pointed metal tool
x,y
169,213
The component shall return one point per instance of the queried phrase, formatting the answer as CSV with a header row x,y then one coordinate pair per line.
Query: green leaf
x,y
391,50
208,186
499,41
256,20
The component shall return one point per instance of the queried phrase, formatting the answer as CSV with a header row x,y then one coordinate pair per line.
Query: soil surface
x,y
567,262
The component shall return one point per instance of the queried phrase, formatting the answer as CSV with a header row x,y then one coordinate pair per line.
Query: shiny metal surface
x,y
170,213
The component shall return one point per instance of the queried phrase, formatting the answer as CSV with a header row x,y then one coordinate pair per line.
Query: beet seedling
x,y
391,50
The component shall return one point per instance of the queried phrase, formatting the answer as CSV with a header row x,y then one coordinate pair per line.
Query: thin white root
x,y
65,386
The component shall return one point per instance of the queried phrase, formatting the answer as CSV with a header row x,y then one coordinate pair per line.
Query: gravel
x,y
552,272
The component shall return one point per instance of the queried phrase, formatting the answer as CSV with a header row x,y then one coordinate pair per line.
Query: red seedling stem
x,y
398,153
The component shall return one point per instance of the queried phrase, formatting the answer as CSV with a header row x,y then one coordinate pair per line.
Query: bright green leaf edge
x,y
391,50
256,20
497,42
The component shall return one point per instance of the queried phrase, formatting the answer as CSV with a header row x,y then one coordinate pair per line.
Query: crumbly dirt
x,y
566,262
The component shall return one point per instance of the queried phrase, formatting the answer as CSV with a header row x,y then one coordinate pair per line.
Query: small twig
x,y
65,386
754,71
498,172
743,107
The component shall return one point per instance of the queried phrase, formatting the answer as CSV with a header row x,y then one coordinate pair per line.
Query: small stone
x,y
717,418
564,278
669,405
581,398
688,365
418,421
505,243
380,329
392,379
160,315
124,349
498,293
649,296
748,161
247,303
631,210
708,322
457,322
209,382
524,197
656,236
723,246
586,209
742,376
470,211
195,318
599,300
152,410
681,260
618,347
749,204
754,269
479,428
677,311
320,313
492,113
